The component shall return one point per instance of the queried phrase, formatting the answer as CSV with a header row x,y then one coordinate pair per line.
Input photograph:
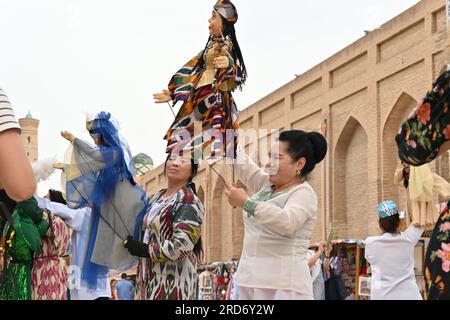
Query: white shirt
x,y
316,268
391,258
154,210
276,239
77,220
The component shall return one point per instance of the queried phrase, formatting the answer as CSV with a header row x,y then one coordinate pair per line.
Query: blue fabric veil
x,y
101,169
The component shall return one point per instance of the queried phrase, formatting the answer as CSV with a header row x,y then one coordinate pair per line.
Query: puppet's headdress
x,y
89,122
227,10
94,123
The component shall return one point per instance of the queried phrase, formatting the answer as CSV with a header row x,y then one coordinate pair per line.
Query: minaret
x,y
30,136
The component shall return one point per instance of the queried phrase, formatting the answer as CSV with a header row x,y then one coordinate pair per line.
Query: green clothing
x,y
263,196
22,240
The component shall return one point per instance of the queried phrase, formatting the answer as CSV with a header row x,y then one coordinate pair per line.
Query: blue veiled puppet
x,y
101,177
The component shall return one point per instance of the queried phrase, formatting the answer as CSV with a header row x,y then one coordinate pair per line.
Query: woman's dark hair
x,y
7,207
56,196
309,145
198,250
236,54
390,224
229,33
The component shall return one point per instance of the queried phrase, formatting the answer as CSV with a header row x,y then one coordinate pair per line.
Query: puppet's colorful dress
x,y
208,110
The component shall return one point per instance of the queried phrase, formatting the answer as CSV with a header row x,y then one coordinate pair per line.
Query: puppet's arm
x,y
182,82
223,59
163,96
88,158
225,65
68,136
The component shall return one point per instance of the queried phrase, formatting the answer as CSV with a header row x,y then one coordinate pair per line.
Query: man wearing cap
x,y
391,257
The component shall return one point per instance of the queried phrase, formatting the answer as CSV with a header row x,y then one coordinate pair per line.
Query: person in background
x,y
112,285
233,288
315,266
319,263
79,220
391,257
49,277
124,288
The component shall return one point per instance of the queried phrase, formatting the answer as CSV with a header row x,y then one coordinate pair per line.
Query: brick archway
x,y
350,177
215,225
403,106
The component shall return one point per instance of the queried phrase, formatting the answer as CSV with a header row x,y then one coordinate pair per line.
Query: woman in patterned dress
x,y
422,138
49,273
169,245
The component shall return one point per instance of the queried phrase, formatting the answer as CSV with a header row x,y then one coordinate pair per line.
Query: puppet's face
x,y
215,24
96,138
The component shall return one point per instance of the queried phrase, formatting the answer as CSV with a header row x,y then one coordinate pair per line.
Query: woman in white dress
x,y
278,219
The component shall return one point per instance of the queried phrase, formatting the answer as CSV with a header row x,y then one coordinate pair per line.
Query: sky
x,y
61,59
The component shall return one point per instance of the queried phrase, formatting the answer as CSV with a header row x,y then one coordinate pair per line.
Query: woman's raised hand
x,y
162,97
328,249
322,246
236,196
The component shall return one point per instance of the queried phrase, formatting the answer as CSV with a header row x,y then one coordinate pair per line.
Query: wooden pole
x,y
358,263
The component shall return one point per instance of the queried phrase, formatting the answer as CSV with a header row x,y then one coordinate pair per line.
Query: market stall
x,y
344,262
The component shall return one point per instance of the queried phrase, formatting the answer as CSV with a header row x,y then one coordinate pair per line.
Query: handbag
x,y
335,287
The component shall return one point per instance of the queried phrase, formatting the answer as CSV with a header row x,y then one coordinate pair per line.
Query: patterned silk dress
x,y
172,232
49,273
419,141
